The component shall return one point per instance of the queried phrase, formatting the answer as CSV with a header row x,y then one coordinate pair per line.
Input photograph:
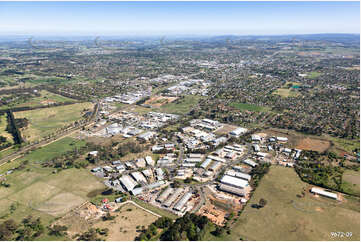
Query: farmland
x,y
287,217
46,121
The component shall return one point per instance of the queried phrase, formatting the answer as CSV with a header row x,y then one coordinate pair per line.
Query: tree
x,y
262,202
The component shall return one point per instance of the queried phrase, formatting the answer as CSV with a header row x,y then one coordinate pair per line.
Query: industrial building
x,y
234,181
173,197
164,195
250,163
138,177
324,193
231,189
128,182
241,175
180,204
206,163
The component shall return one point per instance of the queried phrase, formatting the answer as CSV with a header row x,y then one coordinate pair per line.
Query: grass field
x,y
351,181
47,120
3,132
287,217
37,191
154,209
45,98
284,92
50,151
346,144
313,74
249,107
180,106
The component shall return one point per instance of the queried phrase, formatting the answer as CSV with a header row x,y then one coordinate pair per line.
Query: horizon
x,y
178,18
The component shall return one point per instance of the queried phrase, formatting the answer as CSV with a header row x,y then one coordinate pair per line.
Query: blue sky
x,y
202,18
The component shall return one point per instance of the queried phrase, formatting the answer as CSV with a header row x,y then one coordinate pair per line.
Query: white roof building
x,y
322,192
233,181
238,131
150,161
180,204
128,182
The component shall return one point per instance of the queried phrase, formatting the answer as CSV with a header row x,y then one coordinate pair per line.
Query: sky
x,y
192,18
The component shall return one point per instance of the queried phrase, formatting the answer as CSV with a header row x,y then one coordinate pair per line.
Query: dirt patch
x,y
158,101
60,204
225,129
124,226
313,144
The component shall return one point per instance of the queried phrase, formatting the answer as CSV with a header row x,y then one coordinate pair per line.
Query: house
x,y
93,153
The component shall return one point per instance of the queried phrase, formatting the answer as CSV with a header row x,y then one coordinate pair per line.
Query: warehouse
x,y
250,162
180,204
149,160
193,160
206,163
215,166
164,195
241,175
216,158
138,177
234,190
238,131
324,193
173,197
233,181
128,182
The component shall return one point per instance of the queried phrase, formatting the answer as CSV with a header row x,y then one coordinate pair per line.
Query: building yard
x,y
158,101
289,216
43,122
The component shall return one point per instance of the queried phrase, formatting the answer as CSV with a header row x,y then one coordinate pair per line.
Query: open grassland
x,y
44,99
288,217
284,92
181,105
43,122
313,74
3,132
249,107
50,151
351,181
128,219
346,144
37,191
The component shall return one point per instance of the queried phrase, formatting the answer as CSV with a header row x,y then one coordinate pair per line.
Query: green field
x,y
284,92
3,132
43,122
37,191
313,74
351,181
249,107
346,144
181,105
288,217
